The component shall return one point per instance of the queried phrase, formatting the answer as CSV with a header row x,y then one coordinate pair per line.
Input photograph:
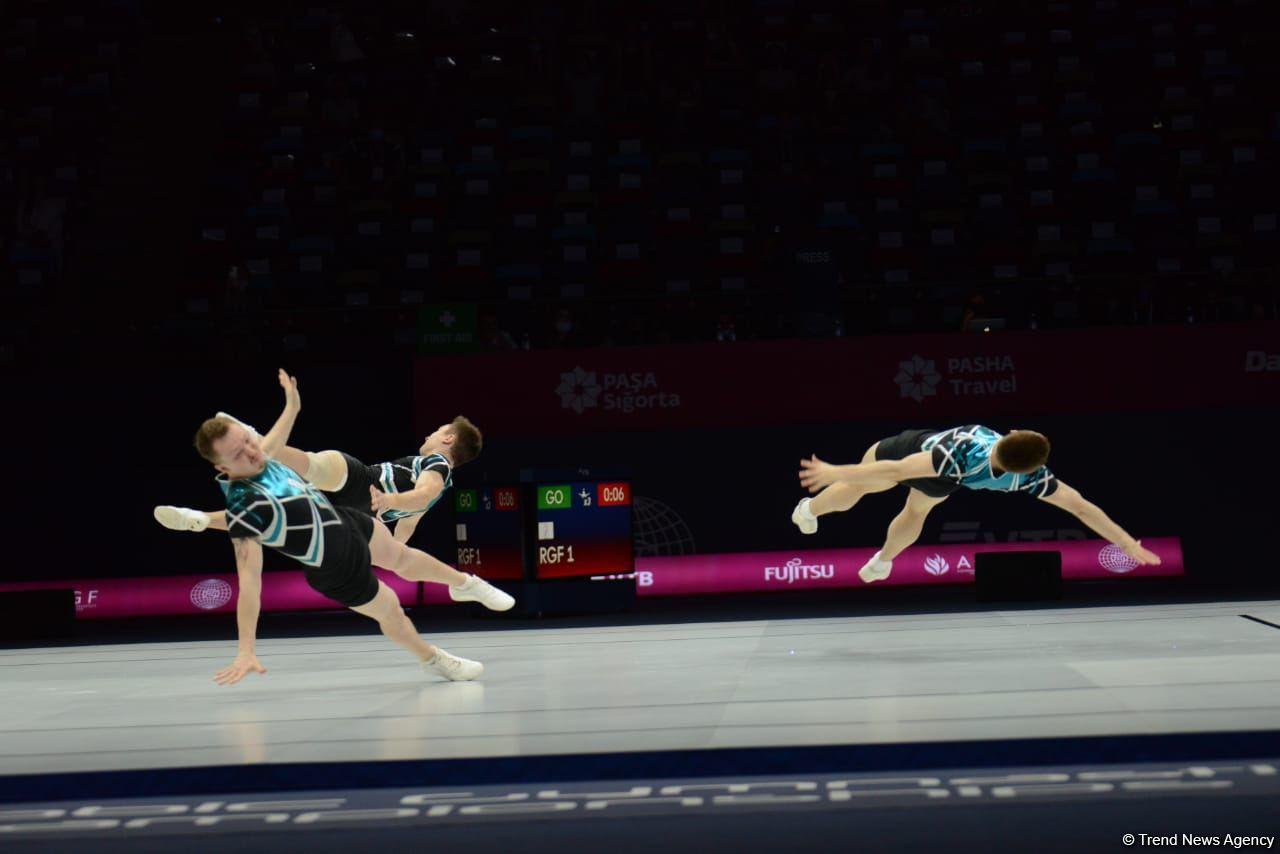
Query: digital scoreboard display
x,y
490,531
583,528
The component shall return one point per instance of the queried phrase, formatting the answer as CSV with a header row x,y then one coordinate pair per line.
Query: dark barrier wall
x,y
1203,476
98,444
1165,427
1188,455
908,378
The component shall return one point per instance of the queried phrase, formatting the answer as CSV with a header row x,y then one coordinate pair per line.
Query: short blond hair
x,y
211,431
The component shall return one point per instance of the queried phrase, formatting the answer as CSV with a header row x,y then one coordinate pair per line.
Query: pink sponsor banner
x,y
170,595
925,379
819,568
655,576
434,594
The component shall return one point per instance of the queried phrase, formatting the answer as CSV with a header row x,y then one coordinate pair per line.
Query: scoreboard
x,y
490,531
583,528
551,525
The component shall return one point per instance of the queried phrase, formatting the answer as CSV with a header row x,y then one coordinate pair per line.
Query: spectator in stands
x,y
776,81
585,84
564,332
343,43
40,218
491,336
340,110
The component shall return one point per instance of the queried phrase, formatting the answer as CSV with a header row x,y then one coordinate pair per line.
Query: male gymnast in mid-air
x,y
269,504
934,464
399,490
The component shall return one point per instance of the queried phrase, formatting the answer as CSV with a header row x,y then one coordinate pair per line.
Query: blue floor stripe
x,y
615,766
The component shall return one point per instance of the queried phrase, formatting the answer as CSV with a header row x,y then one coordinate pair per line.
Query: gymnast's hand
x,y
292,399
815,474
245,663
379,501
1142,555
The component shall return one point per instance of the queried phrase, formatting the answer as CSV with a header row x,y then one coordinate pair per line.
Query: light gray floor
x,y
988,675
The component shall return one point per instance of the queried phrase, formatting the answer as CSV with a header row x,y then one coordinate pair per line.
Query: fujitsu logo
x,y
936,565
796,570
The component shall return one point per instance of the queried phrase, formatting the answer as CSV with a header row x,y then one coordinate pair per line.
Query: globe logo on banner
x,y
210,594
918,378
936,565
1113,559
659,530
579,390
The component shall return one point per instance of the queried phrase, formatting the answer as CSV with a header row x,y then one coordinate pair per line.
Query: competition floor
x,y
933,678
1062,729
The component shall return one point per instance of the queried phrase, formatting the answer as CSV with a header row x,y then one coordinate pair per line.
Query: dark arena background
x,y
658,253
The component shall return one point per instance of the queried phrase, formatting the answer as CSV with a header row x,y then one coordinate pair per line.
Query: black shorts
x,y
346,573
905,444
355,492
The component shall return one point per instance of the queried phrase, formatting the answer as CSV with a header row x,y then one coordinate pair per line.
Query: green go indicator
x,y
466,501
555,497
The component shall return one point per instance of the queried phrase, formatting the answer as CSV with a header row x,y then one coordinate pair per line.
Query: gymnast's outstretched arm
x,y
248,604
1091,514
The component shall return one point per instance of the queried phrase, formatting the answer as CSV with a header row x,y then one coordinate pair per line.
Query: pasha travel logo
x,y
966,376
210,594
936,565
1261,362
619,391
797,570
1113,559
918,378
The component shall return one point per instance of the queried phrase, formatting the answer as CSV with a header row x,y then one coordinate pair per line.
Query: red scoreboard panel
x,y
583,529
490,530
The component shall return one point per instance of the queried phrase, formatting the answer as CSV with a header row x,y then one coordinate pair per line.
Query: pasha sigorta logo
x,y
616,391
579,390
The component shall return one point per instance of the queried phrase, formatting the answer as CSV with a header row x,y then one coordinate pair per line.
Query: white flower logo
x,y
918,378
1112,558
578,390
936,565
